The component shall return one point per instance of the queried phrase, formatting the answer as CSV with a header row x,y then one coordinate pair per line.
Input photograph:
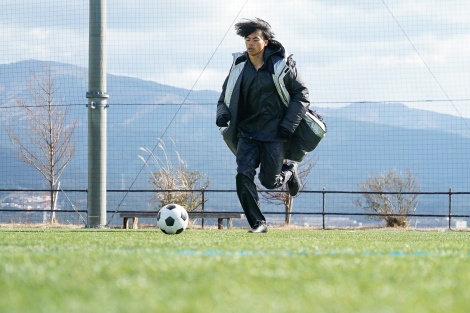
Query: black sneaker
x,y
294,182
261,227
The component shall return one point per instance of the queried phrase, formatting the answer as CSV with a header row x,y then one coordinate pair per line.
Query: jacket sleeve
x,y
299,101
221,106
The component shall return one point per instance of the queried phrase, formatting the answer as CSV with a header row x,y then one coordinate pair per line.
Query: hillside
x,y
362,139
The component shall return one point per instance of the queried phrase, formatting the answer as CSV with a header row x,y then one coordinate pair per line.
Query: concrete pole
x,y
97,116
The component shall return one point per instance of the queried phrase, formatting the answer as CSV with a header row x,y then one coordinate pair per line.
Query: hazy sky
x,y
348,51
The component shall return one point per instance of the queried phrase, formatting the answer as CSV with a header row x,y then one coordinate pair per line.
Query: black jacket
x,y
230,99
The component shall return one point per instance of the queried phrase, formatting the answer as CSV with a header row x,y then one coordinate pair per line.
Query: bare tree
x,y
393,194
47,143
281,196
177,178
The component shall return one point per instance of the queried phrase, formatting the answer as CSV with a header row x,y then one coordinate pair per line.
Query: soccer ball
x,y
172,219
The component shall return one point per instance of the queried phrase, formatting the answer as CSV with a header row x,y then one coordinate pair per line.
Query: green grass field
x,y
60,270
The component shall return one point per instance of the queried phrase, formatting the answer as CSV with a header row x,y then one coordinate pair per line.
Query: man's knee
x,y
268,182
243,179
245,185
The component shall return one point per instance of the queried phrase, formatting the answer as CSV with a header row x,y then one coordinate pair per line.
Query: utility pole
x,y
97,116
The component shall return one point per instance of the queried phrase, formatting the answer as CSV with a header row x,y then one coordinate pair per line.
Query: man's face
x,y
255,43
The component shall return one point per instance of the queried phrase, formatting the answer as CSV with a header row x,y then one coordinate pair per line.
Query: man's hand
x,y
283,133
222,120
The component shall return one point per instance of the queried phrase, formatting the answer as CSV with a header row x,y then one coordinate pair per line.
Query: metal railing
x,y
323,210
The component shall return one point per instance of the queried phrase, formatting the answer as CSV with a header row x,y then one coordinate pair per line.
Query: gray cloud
x,y
347,51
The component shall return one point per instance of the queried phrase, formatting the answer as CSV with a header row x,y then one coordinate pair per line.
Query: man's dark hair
x,y
246,27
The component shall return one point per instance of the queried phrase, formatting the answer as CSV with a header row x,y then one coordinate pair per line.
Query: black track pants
x,y
252,154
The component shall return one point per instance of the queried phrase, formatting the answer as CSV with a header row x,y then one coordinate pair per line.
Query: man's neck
x,y
257,61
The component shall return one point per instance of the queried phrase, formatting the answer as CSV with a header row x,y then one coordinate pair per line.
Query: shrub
x,y
391,195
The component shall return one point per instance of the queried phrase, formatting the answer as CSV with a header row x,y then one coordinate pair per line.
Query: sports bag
x,y
306,137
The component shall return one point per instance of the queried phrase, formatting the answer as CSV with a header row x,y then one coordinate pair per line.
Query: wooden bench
x,y
220,216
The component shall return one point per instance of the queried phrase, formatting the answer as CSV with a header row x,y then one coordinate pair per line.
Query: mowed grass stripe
x,y
49,270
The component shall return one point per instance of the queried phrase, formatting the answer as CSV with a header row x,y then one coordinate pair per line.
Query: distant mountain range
x,y
362,138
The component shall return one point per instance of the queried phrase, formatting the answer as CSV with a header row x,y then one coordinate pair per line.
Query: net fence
x,y
388,77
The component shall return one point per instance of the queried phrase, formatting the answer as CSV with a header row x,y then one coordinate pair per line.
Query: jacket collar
x,y
274,48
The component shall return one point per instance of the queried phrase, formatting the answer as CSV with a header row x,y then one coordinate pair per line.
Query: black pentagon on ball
x,y
169,221
159,215
184,216
164,231
179,231
171,207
